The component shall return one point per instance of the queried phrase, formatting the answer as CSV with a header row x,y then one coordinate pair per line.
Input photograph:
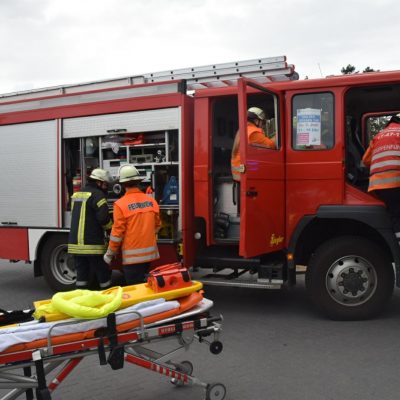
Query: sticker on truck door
x,y
308,127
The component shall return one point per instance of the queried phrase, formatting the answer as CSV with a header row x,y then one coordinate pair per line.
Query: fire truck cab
x,y
304,203
302,207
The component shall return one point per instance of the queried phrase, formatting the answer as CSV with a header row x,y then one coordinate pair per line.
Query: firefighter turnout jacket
x,y
383,158
136,223
255,135
90,218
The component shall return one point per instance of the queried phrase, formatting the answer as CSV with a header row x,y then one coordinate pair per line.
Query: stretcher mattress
x,y
33,335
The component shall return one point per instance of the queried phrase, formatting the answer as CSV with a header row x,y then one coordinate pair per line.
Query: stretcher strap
x,y
116,355
42,391
102,352
28,392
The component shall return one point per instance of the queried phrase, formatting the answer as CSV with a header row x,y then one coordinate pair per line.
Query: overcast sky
x,y
55,42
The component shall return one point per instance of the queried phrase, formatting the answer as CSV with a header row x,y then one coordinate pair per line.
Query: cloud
x,y
55,42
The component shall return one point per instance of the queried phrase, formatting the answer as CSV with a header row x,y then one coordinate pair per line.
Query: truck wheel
x,y
350,278
57,265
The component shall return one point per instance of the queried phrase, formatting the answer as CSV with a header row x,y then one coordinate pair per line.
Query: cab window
x,y
375,124
313,121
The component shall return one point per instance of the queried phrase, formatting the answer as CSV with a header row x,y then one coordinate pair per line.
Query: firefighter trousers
x,y
84,265
391,197
135,273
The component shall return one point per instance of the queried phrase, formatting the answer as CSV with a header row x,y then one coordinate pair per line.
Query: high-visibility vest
x,y
89,220
383,157
136,222
255,136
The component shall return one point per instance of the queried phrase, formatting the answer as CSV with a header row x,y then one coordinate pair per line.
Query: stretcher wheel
x,y
216,347
186,367
215,391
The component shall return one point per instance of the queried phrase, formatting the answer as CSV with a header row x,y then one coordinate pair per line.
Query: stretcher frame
x,y
114,348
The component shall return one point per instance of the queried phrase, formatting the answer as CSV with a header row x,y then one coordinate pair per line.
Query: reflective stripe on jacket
x,y
255,136
383,157
136,222
89,219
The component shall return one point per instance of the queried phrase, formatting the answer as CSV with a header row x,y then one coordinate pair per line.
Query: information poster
x,y
308,127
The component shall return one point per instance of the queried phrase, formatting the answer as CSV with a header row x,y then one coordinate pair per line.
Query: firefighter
x,y
90,221
383,158
134,232
255,121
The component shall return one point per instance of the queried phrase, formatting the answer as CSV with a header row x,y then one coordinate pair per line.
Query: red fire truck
x,y
303,205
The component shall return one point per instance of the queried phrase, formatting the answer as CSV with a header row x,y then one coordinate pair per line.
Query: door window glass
x,y
313,121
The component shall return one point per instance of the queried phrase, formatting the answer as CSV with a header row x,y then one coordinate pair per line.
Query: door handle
x,y
251,193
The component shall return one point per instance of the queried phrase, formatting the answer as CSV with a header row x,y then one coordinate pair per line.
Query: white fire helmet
x,y
129,173
255,112
100,175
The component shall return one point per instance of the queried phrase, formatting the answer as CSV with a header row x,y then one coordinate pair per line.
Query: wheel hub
x,y
351,280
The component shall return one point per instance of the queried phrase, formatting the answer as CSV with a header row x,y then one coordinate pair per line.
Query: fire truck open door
x,y
262,188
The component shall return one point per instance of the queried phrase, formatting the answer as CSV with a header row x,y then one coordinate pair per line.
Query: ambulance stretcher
x,y
31,355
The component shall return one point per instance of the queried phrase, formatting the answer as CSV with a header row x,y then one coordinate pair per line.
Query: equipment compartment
x,y
156,156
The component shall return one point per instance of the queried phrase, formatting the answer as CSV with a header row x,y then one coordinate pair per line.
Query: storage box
x,y
169,277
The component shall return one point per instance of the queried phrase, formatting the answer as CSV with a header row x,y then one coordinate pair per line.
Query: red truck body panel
x,y
14,244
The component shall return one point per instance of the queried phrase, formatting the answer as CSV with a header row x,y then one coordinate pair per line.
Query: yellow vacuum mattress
x,y
130,295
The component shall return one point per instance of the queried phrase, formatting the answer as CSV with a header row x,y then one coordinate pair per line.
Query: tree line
x,y
351,69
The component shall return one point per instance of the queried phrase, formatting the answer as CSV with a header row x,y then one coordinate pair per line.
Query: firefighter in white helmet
x,y
90,220
134,232
256,119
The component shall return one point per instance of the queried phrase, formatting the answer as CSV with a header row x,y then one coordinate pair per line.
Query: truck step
x,y
225,257
246,280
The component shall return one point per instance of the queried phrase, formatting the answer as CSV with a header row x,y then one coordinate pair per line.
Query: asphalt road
x,y
275,347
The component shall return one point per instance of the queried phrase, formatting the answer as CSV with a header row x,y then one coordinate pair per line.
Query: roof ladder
x,y
219,75
262,70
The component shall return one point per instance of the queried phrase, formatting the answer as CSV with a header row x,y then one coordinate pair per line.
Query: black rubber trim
x,y
295,237
374,216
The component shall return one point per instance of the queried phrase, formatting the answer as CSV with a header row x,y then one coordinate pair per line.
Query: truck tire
x,y
57,265
350,278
